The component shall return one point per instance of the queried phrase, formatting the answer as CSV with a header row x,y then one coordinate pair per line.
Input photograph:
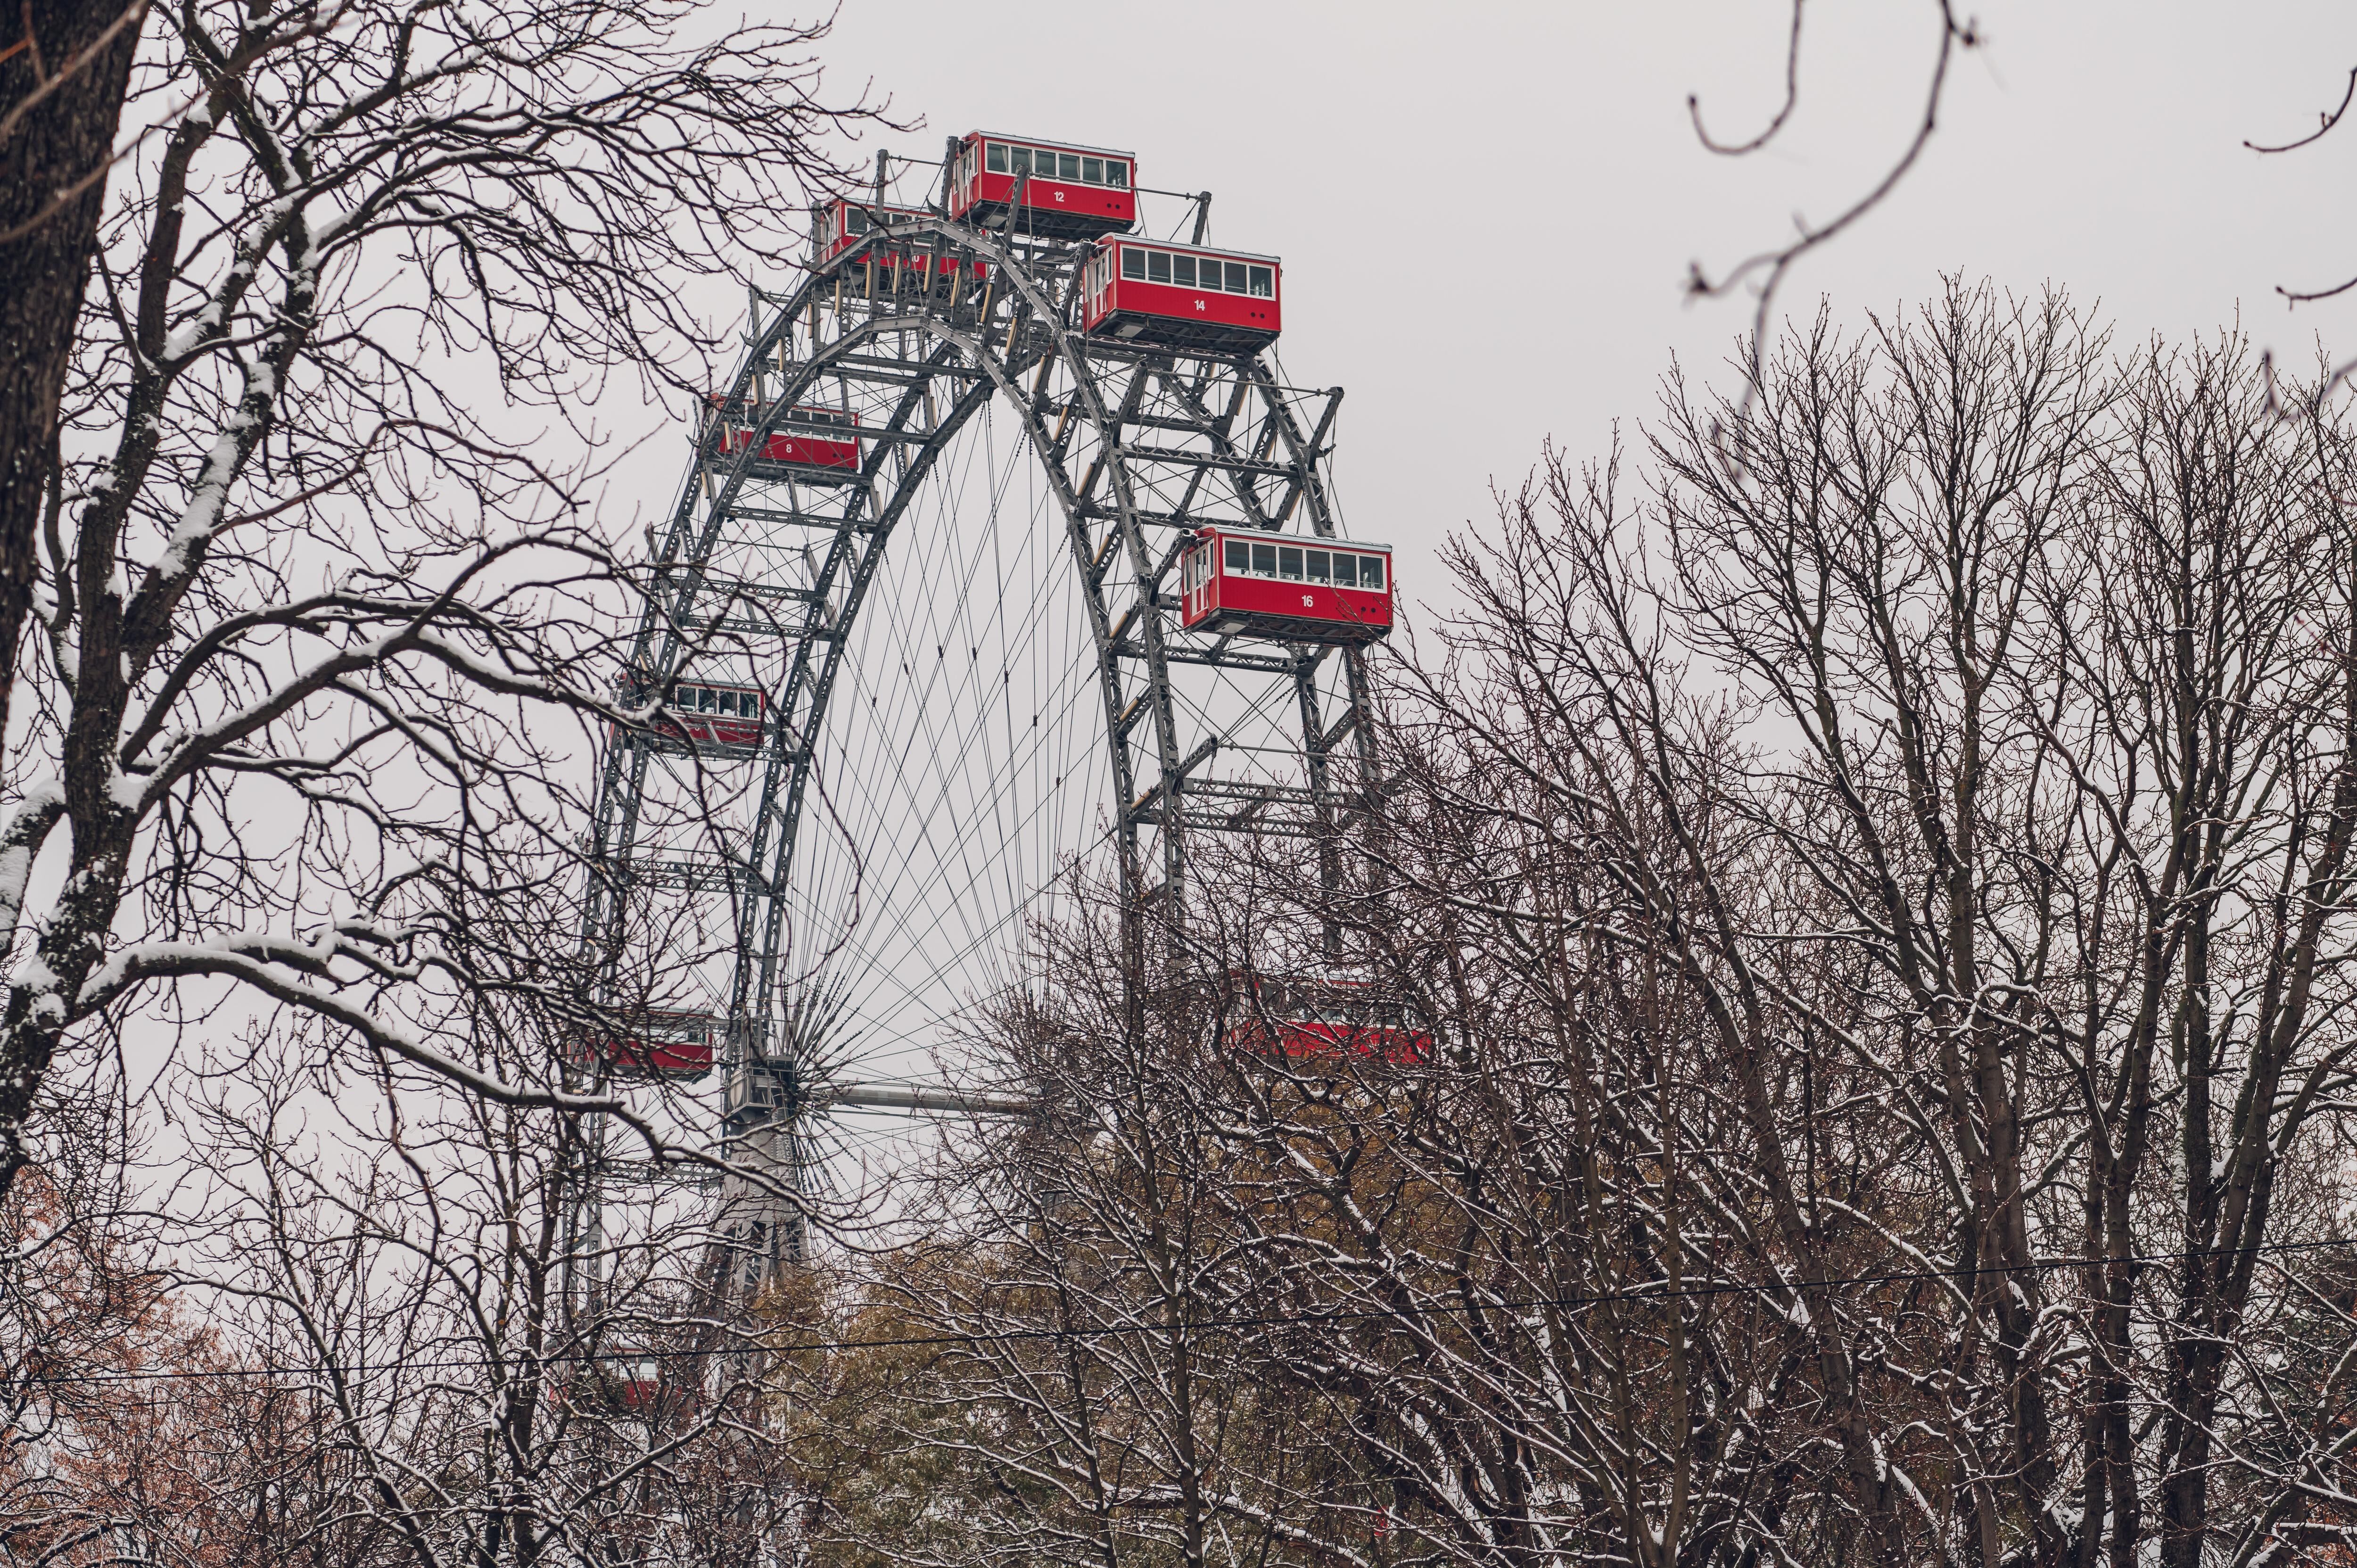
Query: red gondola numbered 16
x,y
1245,582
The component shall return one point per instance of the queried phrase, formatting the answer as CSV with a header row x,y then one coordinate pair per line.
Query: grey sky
x,y
1485,212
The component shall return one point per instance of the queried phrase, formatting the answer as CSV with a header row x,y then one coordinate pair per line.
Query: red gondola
x,y
633,1379
840,224
803,450
1170,297
627,1379
713,715
660,1042
1246,582
1069,192
1307,1019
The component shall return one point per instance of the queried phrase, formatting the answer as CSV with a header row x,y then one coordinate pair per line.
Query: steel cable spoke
x,y
937,802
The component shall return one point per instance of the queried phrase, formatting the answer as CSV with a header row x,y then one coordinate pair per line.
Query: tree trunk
x,y
52,182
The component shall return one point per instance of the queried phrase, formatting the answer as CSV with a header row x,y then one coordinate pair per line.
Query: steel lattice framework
x,y
768,575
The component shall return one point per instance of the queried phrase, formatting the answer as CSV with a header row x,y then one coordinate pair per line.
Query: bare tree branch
x,y
1771,267
2325,122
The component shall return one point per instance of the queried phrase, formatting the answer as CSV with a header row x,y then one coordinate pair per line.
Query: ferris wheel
x,y
1007,561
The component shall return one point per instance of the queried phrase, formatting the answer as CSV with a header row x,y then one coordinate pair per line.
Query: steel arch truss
x,y
1138,448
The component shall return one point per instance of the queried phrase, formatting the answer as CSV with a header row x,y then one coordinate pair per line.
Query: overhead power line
x,y
1640,1294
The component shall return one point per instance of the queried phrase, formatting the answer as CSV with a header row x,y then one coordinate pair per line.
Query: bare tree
x,y
375,1350
1522,1258
1966,725
317,589
1873,898
1059,1369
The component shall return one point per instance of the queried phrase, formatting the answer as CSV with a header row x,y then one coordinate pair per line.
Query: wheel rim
x,y
798,584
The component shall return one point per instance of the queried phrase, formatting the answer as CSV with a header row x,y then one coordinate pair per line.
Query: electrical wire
x,y
1250,1320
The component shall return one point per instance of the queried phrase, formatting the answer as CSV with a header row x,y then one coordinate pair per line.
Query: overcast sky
x,y
1486,210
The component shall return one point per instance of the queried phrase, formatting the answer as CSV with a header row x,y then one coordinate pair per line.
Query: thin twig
x,y
2323,130
2340,373
2310,405
1791,99
2298,298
